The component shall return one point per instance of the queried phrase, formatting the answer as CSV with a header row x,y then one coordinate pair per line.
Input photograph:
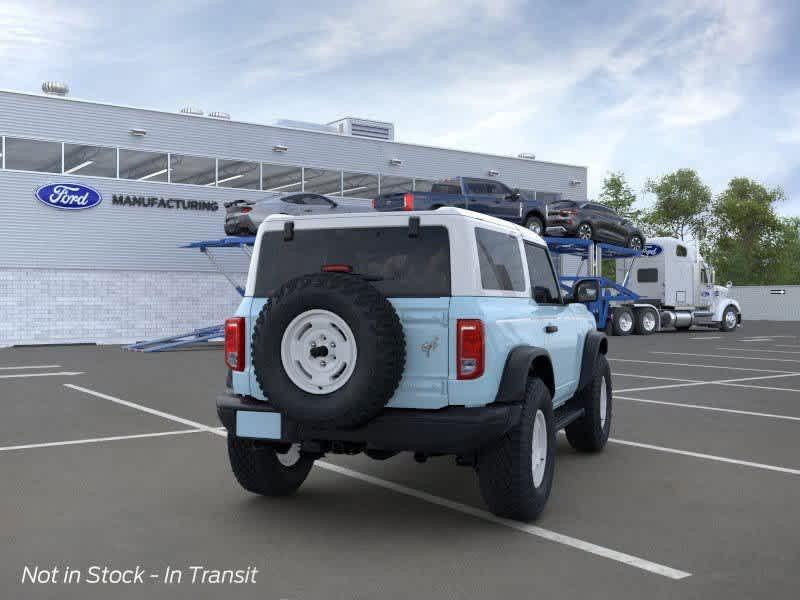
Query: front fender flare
x,y
522,362
595,344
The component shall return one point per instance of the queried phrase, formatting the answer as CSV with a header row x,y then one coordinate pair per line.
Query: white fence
x,y
768,302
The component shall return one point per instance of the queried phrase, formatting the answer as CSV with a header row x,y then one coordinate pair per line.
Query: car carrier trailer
x,y
667,285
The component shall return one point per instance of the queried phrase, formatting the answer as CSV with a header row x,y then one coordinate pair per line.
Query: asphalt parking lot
x,y
110,458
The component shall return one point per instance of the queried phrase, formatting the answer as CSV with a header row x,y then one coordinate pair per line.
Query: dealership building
x,y
110,269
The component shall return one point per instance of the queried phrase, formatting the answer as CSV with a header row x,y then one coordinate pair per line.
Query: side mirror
x,y
586,290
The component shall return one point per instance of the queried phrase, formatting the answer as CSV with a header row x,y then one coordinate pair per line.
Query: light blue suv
x,y
439,332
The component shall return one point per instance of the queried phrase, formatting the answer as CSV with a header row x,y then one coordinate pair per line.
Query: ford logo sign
x,y
652,250
68,196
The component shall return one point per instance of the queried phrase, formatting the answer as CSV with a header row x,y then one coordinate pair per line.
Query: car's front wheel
x,y
730,319
635,242
584,231
268,469
516,473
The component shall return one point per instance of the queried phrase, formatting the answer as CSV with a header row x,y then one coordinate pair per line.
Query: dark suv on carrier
x,y
592,221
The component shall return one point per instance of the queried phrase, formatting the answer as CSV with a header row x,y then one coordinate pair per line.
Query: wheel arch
x,y
521,363
595,344
535,212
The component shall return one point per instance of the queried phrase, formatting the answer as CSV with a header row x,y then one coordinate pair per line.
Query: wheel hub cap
x,y
535,227
730,319
625,322
603,403
290,457
539,448
584,232
649,321
318,351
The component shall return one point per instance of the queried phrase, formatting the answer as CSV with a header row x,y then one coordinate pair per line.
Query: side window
x,y
647,275
680,251
294,199
316,200
475,187
544,284
500,261
703,276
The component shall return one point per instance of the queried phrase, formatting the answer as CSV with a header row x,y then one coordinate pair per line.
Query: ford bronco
x,y
435,332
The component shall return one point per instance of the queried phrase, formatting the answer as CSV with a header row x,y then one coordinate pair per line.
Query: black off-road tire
x,y
587,434
617,318
258,470
378,335
505,473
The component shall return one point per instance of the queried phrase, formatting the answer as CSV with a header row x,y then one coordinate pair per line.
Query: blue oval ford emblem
x,y
68,196
652,250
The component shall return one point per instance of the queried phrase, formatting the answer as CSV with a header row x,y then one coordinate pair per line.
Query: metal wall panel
x,y
768,303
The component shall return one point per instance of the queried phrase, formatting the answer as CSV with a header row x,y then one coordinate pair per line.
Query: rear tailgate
x,y
393,201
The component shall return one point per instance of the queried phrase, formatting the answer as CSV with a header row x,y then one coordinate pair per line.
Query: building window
x,y
90,160
323,181
144,166
396,185
33,155
500,261
238,174
195,170
360,185
280,178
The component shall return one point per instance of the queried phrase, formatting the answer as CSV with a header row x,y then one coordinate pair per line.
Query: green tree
x,y
749,243
618,195
681,205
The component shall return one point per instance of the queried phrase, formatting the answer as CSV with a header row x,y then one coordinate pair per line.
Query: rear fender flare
x,y
595,344
523,362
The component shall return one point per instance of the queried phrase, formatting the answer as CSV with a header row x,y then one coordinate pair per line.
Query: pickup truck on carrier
x,y
485,196
440,332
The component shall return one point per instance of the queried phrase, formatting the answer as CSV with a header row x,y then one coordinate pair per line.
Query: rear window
x,y
402,266
446,188
500,261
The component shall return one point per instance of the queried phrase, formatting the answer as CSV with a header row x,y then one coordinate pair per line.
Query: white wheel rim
x,y
318,351
625,322
649,321
584,232
603,403
730,318
535,226
539,448
290,457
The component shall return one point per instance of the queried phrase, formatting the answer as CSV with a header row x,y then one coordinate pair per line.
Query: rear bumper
x,y
451,430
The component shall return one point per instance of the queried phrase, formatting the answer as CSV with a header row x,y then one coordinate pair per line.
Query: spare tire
x,y
328,350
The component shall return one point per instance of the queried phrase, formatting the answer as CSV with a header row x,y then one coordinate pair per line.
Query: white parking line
x,y
714,382
676,364
100,439
760,350
794,360
30,367
712,337
711,408
723,459
615,374
786,345
547,534
21,375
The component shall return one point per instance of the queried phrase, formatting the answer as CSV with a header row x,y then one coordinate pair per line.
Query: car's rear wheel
x,y
266,468
516,473
584,231
590,432
635,242
535,224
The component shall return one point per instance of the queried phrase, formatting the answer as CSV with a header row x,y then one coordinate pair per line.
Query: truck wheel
x,y
590,432
328,350
621,320
516,473
730,319
646,321
535,224
261,469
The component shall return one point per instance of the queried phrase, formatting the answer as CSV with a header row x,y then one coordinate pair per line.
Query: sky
x,y
639,87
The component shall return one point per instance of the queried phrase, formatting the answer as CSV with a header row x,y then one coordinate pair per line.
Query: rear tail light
x,y
374,203
246,209
337,269
234,343
568,213
469,348
408,201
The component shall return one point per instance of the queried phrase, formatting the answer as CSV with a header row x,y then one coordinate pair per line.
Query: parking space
x,y
113,457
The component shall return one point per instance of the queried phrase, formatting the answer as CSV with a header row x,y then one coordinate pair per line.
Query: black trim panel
x,y
516,372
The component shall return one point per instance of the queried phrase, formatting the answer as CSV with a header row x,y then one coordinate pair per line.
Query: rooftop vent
x,y
55,88
192,110
376,130
216,114
303,125
527,155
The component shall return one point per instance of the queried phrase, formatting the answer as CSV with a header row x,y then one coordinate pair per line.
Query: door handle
x,y
551,328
